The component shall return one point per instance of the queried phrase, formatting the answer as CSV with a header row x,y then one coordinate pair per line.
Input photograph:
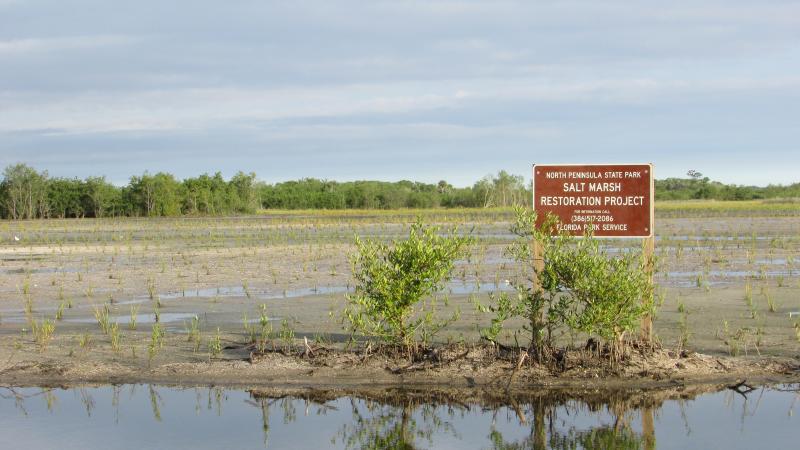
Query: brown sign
x,y
615,199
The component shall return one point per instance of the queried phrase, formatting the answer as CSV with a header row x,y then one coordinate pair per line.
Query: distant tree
x,y
65,197
508,189
243,190
156,195
24,192
501,190
484,191
99,196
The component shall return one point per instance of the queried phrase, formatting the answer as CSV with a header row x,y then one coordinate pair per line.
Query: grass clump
x,y
116,337
134,315
215,345
156,341
193,332
101,315
42,332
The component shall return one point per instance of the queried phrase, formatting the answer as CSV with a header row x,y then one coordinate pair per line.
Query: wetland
x,y
80,302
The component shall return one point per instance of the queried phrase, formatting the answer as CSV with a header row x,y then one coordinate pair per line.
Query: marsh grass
x,y
134,314
249,331
84,340
42,332
193,332
771,304
741,339
156,342
116,337
286,335
215,345
266,329
101,315
246,288
27,296
60,310
683,326
152,292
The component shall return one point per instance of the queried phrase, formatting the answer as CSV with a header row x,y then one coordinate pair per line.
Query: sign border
x,y
652,194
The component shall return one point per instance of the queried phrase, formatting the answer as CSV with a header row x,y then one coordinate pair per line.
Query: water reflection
x,y
125,416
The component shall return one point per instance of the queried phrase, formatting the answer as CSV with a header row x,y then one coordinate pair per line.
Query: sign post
x,y
615,200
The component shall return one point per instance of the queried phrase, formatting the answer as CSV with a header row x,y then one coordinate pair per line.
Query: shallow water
x,y
147,416
454,287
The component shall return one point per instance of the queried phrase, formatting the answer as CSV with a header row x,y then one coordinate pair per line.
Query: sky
x,y
421,90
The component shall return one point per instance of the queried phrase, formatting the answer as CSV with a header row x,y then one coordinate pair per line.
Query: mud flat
x,y
729,289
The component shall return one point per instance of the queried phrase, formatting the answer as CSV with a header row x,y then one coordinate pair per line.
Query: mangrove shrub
x,y
395,283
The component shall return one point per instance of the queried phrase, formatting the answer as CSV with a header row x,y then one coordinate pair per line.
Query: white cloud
x,y
31,45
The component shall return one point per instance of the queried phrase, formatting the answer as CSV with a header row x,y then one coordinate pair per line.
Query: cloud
x,y
41,45
192,109
481,82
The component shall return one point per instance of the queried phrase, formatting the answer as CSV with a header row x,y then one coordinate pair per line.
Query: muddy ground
x,y
729,288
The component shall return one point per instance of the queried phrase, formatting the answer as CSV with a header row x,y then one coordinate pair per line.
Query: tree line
x,y
698,187
26,193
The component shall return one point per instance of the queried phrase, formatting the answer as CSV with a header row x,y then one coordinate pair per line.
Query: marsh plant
x,y
395,283
266,329
739,339
152,292
84,340
286,334
193,332
42,332
578,286
683,326
246,288
156,341
116,337
215,345
60,310
134,315
101,315
773,307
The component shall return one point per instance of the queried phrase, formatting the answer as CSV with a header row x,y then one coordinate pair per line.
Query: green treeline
x,y
695,188
26,193
500,190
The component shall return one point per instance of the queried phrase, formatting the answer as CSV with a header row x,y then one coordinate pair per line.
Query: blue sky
x,y
421,90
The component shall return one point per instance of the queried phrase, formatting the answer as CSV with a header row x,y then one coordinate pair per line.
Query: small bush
x,y
580,287
394,284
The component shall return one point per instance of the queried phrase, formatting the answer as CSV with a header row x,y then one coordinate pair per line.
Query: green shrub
x,y
394,284
580,287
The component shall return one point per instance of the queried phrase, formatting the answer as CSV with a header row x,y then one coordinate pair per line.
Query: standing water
x,y
150,416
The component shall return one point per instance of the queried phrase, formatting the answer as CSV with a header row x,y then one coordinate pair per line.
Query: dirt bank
x,y
453,366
